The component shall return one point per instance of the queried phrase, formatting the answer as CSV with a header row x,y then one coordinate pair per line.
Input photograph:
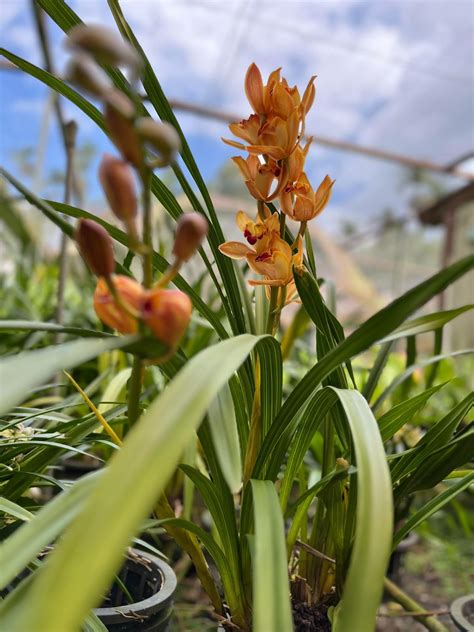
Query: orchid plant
x,y
282,540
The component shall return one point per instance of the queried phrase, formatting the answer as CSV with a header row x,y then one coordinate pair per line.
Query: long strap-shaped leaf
x,y
404,412
30,539
31,325
432,506
131,483
430,322
363,587
19,374
271,590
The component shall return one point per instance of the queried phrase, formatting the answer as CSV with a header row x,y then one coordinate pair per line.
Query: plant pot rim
x,y
146,607
457,612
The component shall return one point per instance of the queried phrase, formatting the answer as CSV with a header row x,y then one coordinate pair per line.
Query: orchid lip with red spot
x,y
249,237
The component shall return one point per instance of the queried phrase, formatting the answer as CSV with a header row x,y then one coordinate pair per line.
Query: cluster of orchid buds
x,y
144,145
275,170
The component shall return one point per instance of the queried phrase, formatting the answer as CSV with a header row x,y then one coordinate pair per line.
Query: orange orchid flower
x,y
267,254
295,170
167,313
276,137
274,128
260,177
110,311
258,234
276,97
307,203
271,258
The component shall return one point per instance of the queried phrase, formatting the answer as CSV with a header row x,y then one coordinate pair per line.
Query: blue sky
x,y
394,74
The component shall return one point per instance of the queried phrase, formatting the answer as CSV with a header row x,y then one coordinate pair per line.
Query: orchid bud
x,y
116,178
109,309
104,44
162,137
191,230
167,313
118,115
83,72
95,246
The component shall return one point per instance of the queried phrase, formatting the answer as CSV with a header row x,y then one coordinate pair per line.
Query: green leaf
x,y
404,412
330,332
129,486
439,464
113,390
430,322
18,375
363,586
12,509
300,507
427,460
223,425
376,371
220,558
31,325
29,540
271,589
312,417
431,507
221,507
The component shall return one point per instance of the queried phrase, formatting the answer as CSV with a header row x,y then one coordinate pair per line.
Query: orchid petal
x,y
235,250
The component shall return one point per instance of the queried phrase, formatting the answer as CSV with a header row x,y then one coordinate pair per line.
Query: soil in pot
x,y
308,618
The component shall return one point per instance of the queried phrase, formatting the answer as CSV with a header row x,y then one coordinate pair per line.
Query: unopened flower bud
x,y
342,464
104,44
162,138
118,314
116,178
191,230
95,246
118,115
167,313
83,72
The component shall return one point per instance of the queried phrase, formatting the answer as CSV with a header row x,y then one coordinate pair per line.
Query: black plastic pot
x,y
151,583
462,613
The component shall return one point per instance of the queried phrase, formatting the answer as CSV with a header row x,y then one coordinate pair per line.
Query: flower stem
x,y
136,378
410,605
189,543
272,310
145,175
255,434
134,389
